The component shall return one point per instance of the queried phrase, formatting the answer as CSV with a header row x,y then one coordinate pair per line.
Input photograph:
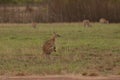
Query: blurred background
x,y
44,11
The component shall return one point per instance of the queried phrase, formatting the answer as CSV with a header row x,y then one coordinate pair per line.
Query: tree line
x,y
66,10
20,1
77,10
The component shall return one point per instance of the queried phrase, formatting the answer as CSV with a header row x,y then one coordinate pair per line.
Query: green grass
x,y
80,50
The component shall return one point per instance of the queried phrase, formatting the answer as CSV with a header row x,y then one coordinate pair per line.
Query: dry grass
x,y
87,51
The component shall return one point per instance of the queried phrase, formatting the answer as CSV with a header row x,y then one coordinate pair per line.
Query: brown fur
x,y
34,24
86,23
103,21
49,46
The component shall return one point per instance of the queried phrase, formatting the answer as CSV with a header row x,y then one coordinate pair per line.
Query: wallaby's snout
x,y
58,35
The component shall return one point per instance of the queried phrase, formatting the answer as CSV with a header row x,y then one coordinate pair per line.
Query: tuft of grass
x,y
93,74
84,74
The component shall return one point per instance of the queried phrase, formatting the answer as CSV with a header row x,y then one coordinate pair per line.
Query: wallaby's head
x,y
56,35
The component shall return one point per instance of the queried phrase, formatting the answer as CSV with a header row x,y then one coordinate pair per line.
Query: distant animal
x,y
34,24
103,21
86,23
49,45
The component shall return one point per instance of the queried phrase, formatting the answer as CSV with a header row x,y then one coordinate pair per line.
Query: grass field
x,y
87,51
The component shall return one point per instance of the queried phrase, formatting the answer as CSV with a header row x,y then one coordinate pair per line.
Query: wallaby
x,y
49,45
86,23
104,21
34,24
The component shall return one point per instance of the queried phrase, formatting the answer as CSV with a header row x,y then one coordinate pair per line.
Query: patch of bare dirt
x,y
57,77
